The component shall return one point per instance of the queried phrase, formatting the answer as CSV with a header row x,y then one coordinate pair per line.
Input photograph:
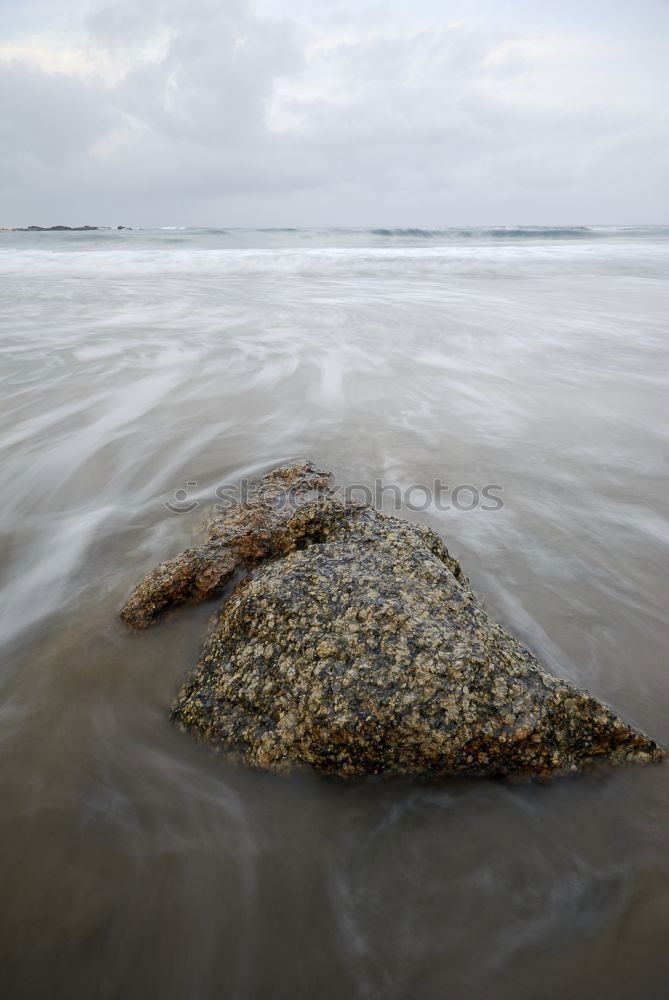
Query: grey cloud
x,y
213,83
214,104
49,116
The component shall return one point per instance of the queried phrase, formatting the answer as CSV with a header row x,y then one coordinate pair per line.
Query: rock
x,y
258,527
62,229
355,645
58,229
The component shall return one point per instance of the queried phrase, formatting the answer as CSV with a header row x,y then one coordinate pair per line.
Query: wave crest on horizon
x,y
500,232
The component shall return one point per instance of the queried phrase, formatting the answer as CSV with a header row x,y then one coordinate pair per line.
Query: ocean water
x,y
142,370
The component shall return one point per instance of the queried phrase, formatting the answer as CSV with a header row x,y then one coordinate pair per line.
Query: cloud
x,y
50,117
217,108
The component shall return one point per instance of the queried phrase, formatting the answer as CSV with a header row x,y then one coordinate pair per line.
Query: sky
x,y
334,113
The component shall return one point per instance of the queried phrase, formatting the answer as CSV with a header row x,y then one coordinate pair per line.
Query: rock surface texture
x,y
355,645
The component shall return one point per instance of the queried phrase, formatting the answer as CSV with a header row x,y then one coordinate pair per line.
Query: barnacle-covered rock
x,y
237,537
355,645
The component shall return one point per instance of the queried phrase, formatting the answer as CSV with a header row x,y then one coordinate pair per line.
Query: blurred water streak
x,y
135,363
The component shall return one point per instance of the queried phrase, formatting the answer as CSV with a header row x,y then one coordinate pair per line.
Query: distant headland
x,y
60,229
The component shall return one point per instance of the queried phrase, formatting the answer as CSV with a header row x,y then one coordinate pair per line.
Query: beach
x,y
144,371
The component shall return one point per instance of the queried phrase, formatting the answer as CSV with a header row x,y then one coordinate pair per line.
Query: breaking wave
x,y
502,232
